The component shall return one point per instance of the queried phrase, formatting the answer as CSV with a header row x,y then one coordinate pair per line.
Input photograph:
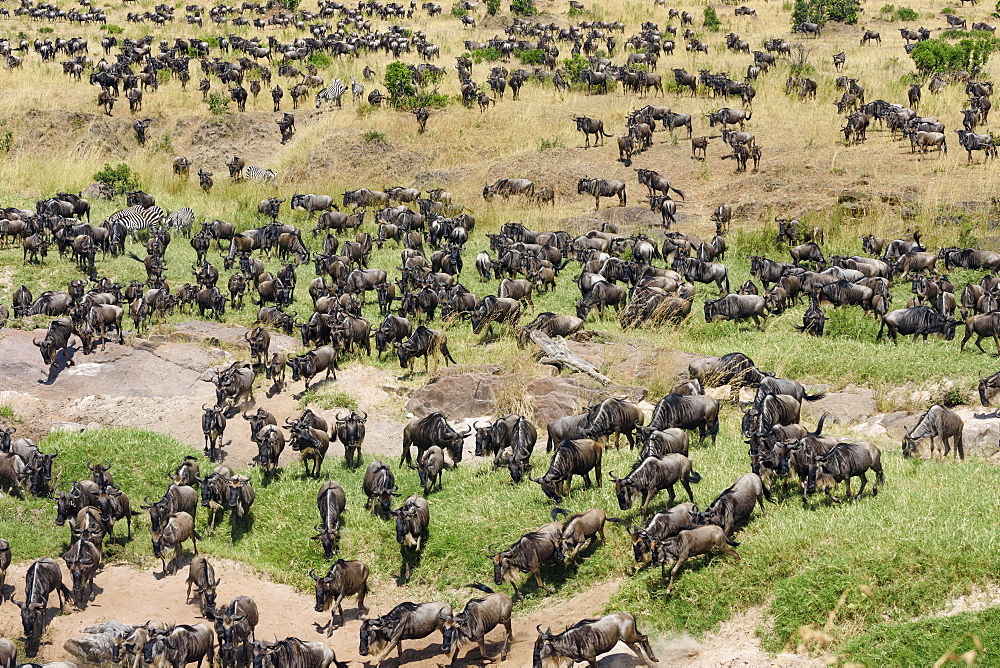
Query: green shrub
x,y
948,10
492,7
530,56
398,81
375,137
843,11
971,53
905,14
821,11
112,29
319,60
887,9
212,41
459,11
45,30
808,11
524,7
329,400
120,178
489,54
574,67
712,21
555,142
218,103
6,142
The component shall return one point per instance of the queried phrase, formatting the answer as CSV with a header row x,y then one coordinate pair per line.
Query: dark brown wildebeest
x,y
379,487
331,502
591,126
845,461
650,476
687,412
407,621
733,506
587,639
42,578
432,430
526,555
691,543
179,646
234,628
599,188
412,520
56,338
201,576
939,422
920,321
83,559
572,457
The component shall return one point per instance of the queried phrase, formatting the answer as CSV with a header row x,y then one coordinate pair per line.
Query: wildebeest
x,y
114,505
234,627
662,526
241,496
213,424
733,369
201,577
430,467
650,476
312,444
57,338
599,188
432,430
379,486
687,412
613,416
178,528
407,621
580,531
845,461
42,578
526,555
351,432
591,126
938,422
572,457
181,645
659,442
918,321
314,362
736,308
691,543
982,325
772,409
330,501
587,639
345,578
424,343
478,617
412,520
694,269
733,506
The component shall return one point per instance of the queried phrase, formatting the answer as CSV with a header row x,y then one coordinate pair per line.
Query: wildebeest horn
x,y
366,415
107,463
611,474
89,461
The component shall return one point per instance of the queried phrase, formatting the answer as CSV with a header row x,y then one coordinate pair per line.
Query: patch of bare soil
x,y
980,598
135,595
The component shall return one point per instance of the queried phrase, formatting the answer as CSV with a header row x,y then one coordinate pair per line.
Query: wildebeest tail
x,y
732,542
480,586
728,291
558,511
135,257
676,191
339,664
814,397
693,476
66,591
447,353
819,425
767,494
197,535
878,337
605,133
616,520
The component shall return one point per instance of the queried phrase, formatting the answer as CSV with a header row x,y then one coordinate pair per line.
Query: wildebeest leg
x,y
536,570
979,341
586,480
687,488
864,482
681,558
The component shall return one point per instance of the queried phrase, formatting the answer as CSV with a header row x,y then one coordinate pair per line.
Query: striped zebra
x,y
255,173
331,94
137,218
357,89
180,221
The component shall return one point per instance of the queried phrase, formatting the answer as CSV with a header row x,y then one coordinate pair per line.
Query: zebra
x,y
357,89
137,218
331,94
255,173
180,220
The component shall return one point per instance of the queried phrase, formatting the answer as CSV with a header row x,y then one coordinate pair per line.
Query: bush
x,y
936,55
319,60
574,67
808,11
45,30
218,103
905,14
112,29
488,54
398,82
843,11
821,11
492,7
712,21
530,56
887,9
375,137
459,11
120,178
524,7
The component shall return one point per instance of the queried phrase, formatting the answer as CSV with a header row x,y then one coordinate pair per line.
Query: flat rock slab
x,y
232,336
852,404
119,370
457,396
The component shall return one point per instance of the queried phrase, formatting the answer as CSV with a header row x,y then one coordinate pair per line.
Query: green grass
x,y
8,414
921,643
328,400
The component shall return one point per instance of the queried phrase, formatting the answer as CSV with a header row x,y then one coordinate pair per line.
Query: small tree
x,y
575,66
492,7
218,103
399,82
524,7
119,178
712,21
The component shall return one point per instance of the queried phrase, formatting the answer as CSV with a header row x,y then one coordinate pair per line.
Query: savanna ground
x,y
888,568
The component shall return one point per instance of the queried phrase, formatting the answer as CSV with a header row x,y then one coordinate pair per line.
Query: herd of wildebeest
x,y
649,283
